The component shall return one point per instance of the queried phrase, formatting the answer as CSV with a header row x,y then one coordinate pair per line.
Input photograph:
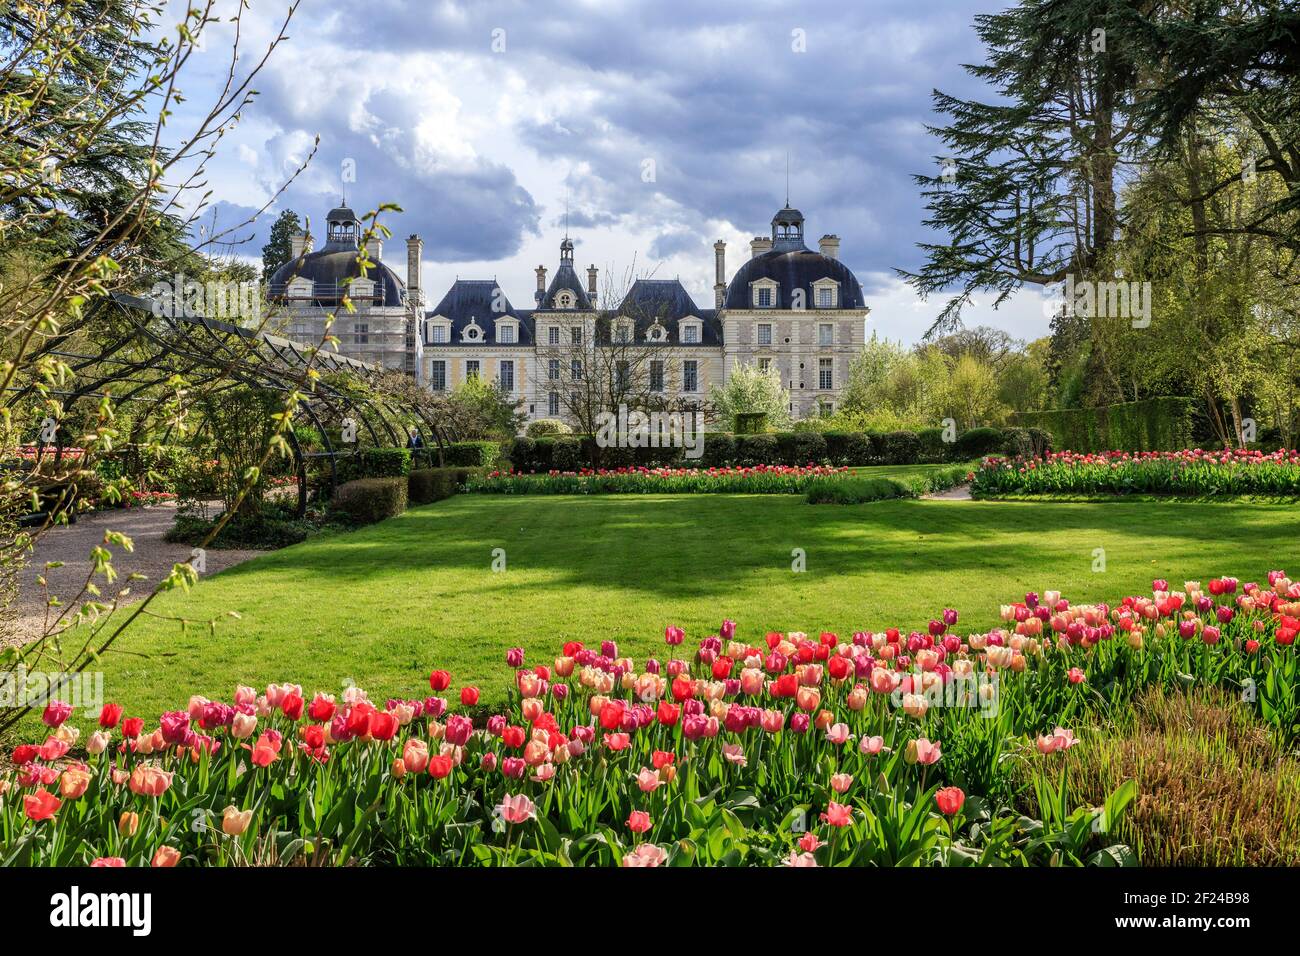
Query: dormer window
x,y
826,293
656,333
622,333
506,333
473,332
438,333
690,332
764,293
564,300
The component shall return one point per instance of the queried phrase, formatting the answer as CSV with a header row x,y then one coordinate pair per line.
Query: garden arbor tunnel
x,y
147,346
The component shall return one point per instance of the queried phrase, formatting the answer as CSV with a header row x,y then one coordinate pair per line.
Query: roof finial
x,y
787,179
566,210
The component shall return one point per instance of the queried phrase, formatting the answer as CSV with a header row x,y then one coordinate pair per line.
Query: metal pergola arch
x,y
217,350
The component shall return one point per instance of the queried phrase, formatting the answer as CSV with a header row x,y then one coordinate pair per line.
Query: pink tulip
x,y
516,809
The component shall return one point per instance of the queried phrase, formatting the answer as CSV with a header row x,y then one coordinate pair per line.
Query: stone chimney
x,y
829,246
591,284
719,273
540,294
759,245
299,244
375,249
414,265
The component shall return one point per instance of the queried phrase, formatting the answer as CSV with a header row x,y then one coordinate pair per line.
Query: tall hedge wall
x,y
1156,424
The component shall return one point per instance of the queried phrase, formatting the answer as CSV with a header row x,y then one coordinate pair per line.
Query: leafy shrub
x,y
546,427
1040,440
566,455
274,526
523,453
427,485
856,490
1016,443
719,450
759,449
809,447
471,454
978,442
368,500
933,447
760,479
374,463
848,448
900,448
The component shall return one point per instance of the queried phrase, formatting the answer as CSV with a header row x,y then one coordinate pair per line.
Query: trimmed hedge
x,y
427,485
469,454
374,463
575,452
367,500
1156,424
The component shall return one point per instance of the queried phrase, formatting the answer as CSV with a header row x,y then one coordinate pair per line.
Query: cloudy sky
x,y
662,126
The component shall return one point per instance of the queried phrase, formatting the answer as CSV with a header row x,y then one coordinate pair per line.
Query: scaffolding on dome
x,y
153,346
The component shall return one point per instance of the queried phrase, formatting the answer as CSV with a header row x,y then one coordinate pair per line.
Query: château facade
x,y
787,307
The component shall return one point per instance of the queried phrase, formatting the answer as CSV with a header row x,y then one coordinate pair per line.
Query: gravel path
x,y
71,544
959,493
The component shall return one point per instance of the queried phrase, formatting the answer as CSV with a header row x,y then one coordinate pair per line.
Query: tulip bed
x,y
881,748
759,479
1182,473
818,481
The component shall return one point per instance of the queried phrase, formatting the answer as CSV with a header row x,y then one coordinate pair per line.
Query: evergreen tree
x,y
1027,189
279,247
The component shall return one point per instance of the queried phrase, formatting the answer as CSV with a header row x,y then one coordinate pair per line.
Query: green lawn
x,y
905,471
384,605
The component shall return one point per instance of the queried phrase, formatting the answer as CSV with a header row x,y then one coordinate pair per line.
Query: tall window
x,y
506,334
438,376
553,404
826,334
764,364
763,298
764,333
690,376
439,334
471,368
360,333
507,375
553,335
691,334
575,335
824,373
622,377
656,376
553,370
827,409
825,297
575,369
621,334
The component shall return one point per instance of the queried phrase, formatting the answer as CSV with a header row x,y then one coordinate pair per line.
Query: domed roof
x,y
794,269
329,270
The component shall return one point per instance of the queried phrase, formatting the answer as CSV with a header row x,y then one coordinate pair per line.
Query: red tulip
x,y
292,705
383,725
439,766
110,715
950,799
668,713
440,681
468,696
41,805
132,727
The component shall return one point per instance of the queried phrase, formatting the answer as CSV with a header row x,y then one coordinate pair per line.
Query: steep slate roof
x,y
667,301
329,269
473,299
566,277
793,269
